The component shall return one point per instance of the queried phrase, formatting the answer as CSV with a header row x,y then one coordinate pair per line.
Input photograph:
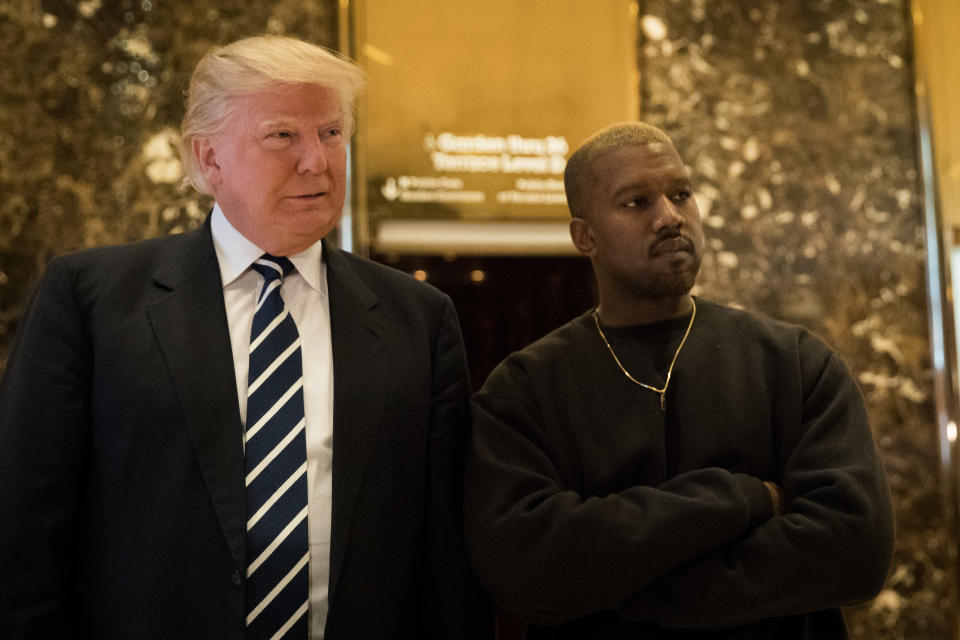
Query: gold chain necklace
x,y
666,382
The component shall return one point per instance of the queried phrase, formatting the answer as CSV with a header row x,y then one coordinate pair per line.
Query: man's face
x,y
278,168
642,230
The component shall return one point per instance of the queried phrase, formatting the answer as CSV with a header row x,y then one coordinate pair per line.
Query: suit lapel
x,y
200,363
190,325
360,365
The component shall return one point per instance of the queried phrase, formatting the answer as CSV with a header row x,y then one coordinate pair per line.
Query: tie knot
x,y
272,267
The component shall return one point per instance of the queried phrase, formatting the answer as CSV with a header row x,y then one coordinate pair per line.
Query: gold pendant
x,y
676,354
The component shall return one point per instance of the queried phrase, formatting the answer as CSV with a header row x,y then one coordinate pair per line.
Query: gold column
x,y
938,55
937,50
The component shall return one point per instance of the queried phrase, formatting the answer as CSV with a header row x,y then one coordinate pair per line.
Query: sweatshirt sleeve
x,y
834,545
550,555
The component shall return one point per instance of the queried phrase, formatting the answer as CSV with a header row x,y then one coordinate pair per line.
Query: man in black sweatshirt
x,y
663,466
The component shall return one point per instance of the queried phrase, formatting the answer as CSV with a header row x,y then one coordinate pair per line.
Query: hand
x,y
776,496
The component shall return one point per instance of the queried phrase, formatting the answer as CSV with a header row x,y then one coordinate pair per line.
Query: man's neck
x,y
622,313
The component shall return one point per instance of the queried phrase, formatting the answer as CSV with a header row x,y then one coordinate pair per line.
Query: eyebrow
x,y
288,121
677,182
276,122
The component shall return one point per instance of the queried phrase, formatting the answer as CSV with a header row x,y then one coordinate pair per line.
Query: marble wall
x,y
797,118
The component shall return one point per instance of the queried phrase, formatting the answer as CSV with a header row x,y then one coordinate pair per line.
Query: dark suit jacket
x,y
121,463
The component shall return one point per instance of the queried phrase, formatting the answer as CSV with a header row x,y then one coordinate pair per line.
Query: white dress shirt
x,y
304,293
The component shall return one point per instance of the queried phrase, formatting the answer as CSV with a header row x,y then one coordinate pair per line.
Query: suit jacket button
x,y
235,578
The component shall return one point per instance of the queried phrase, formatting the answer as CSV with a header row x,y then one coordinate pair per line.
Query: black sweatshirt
x,y
597,515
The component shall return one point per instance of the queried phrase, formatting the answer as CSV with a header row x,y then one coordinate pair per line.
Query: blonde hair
x,y
255,64
579,174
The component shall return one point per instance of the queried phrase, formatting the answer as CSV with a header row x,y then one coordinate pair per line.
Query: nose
x,y
313,157
666,214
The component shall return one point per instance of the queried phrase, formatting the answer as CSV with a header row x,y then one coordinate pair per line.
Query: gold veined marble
x,y
798,121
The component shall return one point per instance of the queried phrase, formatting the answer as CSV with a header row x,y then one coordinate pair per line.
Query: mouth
x,y
673,245
309,196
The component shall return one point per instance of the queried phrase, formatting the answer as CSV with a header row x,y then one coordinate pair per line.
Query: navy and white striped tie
x,y
278,551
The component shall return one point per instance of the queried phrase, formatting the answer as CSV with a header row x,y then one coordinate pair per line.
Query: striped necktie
x,y
278,551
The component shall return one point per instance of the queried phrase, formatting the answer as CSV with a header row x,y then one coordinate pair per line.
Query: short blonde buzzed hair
x,y
579,174
252,65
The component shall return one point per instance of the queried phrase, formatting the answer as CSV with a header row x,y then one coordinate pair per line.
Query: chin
x,y
313,224
311,237
671,286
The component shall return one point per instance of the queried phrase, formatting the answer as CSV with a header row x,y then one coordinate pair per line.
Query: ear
x,y
206,157
582,235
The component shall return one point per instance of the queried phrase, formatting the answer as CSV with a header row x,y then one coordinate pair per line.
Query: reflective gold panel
x,y
476,108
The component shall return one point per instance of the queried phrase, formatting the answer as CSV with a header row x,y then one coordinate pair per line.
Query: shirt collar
x,y
236,253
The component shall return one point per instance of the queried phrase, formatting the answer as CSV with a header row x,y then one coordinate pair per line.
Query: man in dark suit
x,y
140,490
